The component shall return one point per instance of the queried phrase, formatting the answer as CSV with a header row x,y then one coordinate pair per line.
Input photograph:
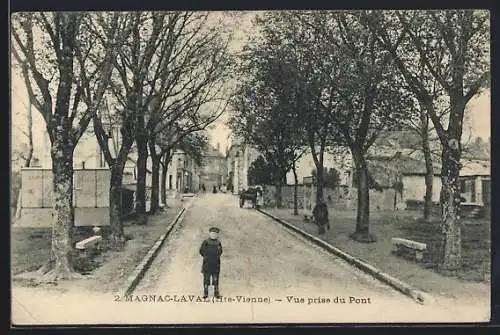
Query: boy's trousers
x,y
207,276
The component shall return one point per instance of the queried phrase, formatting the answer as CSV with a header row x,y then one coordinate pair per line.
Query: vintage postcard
x,y
250,167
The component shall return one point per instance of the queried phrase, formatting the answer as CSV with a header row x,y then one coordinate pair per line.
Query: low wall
x,y
340,198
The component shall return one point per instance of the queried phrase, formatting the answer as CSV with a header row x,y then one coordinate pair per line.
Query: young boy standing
x,y
211,250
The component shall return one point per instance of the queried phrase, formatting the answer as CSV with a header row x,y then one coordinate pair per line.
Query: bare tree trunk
x,y
429,171
27,162
116,167
450,199
320,181
450,224
318,162
295,190
117,236
155,183
163,188
142,157
362,232
164,170
60,263
279,195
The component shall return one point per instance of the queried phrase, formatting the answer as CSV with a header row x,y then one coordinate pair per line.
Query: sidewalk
x,y
31,246
386,225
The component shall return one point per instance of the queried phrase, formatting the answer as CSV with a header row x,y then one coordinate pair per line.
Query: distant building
x,y
214,169
239,158
340,161
183,174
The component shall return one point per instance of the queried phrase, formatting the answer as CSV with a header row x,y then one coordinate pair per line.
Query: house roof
x,y
411,166
475,168
399,139
404,165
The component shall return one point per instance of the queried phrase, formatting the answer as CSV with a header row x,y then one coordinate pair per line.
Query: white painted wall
x,y
414,188
305,165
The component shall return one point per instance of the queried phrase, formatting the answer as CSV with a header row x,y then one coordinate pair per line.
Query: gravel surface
x,y
268,275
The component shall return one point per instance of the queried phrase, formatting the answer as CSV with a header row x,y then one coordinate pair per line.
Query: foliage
x,y
195,145
331,177
267,116
260,173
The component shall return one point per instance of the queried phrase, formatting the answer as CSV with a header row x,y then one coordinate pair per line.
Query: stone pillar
x,y
479,189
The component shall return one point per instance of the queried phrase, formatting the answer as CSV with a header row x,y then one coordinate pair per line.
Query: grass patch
x,y
30,249
405,224
476,242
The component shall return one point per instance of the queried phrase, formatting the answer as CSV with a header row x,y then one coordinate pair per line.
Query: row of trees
x,y
155,79
340,80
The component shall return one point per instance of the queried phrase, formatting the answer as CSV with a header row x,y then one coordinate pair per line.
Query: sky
x,y
480,109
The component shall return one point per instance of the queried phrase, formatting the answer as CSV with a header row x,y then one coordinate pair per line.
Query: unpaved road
x,y
288,280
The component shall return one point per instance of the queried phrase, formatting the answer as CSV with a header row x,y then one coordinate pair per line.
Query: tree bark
x,y
320,181
155,183
142,157
295,190
429,171
27,162
450,192
362,232
429,180
279,195
164,170
318,162
117,237
450,204
60,263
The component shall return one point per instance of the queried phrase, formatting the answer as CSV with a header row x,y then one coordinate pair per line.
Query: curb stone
x,y
416,295
139,271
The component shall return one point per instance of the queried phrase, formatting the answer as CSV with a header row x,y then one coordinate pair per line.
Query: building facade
x,y
214,169
239,158
183,174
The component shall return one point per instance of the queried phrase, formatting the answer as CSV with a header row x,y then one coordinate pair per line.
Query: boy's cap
x,y
213,229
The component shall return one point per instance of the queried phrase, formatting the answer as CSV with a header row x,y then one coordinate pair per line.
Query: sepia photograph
x,y
250,167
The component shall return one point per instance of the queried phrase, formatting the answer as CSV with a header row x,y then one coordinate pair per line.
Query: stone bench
x,y
418,247
90,243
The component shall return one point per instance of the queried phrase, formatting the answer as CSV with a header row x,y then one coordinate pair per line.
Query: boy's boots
x,y
216,291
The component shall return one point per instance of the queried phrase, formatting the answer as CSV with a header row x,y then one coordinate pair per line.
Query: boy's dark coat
x,y
211,250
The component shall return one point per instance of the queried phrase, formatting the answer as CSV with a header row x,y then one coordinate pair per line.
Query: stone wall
x,y
341,198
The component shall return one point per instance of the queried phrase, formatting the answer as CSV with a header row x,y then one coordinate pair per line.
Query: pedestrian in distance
x,y
211,250
214,189
203,188
320,213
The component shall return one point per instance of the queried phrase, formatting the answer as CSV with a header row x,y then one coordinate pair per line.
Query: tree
x,y
453,45
332,177
193,144
363,96
268,117
420,124
189,69
63,63
260,173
